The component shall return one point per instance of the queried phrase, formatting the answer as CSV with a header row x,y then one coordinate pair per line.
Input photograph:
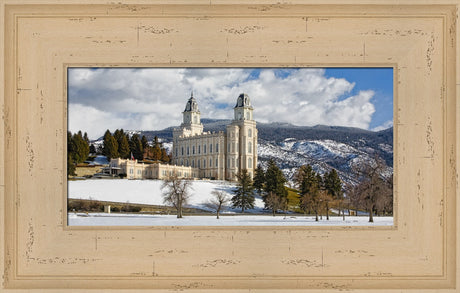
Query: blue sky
x,y
380,80
154,98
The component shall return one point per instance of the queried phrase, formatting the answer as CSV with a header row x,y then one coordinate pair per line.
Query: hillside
x,y
323,147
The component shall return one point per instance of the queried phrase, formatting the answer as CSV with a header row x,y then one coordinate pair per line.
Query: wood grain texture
x,y
39,251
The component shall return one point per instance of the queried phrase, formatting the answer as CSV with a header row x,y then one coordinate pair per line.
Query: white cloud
x,y
155,98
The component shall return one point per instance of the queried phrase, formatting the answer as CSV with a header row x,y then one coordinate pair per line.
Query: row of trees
x,y
77,150
317,191
121,145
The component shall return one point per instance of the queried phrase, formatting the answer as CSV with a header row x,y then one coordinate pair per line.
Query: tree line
x,y
317,193
121,145
118,145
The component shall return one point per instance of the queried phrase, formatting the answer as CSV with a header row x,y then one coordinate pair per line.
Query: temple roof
x,y
243,101
192,105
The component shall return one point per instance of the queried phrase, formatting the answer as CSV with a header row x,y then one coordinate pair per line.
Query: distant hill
x,y
324,147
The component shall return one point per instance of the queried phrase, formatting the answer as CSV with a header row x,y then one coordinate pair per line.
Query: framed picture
x,y
39,250
300,146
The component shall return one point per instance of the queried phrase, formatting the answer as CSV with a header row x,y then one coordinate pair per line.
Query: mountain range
x,y
323,147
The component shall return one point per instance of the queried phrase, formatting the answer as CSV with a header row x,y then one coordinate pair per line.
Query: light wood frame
x,y
38,251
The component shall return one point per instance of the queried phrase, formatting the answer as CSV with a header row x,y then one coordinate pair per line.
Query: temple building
x,y
197,154
217,155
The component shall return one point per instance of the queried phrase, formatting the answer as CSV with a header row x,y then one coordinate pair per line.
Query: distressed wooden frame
x,y
38,251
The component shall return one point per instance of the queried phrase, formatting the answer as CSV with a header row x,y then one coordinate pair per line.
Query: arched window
x,y
186,163
199,164
182,151
217,147
176,152
199,149
204,163
249,163
210,148
181,162
193,150
217,162
250,132
204,149
249,147
188,150
193,163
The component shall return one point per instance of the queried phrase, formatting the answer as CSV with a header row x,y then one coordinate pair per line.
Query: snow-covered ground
x,y
100,219
149,192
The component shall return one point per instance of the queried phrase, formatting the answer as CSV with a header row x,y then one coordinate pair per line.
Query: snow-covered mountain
x,y
323,147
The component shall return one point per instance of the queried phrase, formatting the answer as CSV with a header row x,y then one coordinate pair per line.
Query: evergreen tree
x,y
110,146
259,179
274,182
308,184
80,148
164,156
70,167
85,137
135,146
123,147
333,184
157,154
244,193
70,156
311,196
144,142
333,187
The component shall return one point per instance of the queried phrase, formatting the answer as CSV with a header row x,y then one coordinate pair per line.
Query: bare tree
x,y
275,202
374,189
176,192
218,202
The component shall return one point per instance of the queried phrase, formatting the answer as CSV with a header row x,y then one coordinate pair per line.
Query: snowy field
x,y
100,219
149,192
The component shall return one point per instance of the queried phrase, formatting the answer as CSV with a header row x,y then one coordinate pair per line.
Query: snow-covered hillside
x,y
148,191
290,146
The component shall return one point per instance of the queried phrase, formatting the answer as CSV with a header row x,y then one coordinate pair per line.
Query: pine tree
x,y
244,193
145,142
123,147
164,156
85,137
274,182
70,167
110,146
80,148
307,180
135,146
259,179
333,184
70,156
333,187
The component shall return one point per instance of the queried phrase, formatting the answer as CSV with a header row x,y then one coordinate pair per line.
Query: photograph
x,y
230,146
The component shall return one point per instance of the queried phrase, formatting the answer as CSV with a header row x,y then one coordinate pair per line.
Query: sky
x,y
154,98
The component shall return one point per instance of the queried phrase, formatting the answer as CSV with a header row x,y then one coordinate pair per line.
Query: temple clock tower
x,y
191,117
242,139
